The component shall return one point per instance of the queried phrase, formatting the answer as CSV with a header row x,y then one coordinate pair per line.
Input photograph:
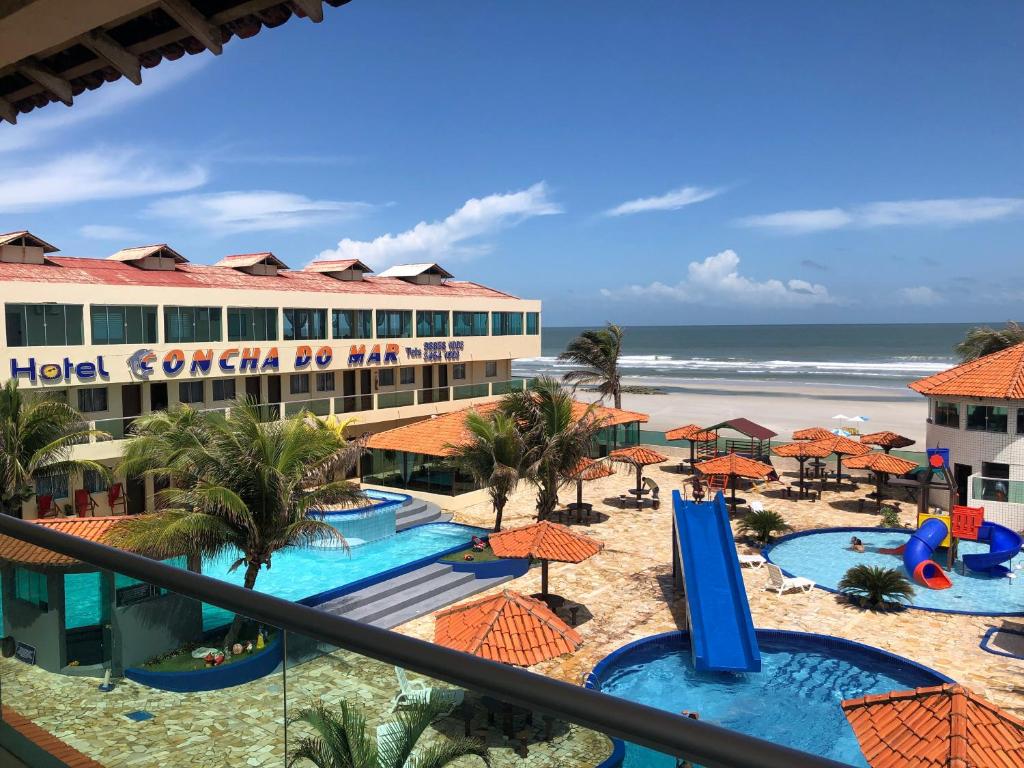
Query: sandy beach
x,y
780,406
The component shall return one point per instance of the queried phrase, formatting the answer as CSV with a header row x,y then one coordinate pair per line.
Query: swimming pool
x,y
826,555
794,700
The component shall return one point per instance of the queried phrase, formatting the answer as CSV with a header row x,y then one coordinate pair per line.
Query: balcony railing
x,y
997,489
313,656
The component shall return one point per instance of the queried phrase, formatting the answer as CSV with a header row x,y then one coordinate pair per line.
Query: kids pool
x,y
825,556
794,700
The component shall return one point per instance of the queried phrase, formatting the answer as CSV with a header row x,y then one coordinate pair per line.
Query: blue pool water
x,y
826,556
794,700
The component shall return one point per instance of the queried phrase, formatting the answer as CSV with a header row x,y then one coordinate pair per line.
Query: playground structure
x,y
938,530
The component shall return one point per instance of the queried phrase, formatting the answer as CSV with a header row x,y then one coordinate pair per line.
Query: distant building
x,y
976,410
143,330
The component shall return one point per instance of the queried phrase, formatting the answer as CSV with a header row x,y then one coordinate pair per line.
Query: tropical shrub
x,y
875,587
983,340
889,517
762,524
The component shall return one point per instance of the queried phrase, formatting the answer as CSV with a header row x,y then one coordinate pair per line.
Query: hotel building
x,y
144,329
976,410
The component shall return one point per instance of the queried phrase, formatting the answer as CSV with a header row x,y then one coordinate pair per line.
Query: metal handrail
x,y
698,741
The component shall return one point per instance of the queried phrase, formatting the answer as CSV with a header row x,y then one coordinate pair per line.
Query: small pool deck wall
x,y
767,550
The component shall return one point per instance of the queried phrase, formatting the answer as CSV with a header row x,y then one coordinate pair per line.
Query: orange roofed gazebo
x,y
886,440
697,436
882,465
639,457
842,446
508,628
812,433
802,451
587,470
544,541
732,465
944,726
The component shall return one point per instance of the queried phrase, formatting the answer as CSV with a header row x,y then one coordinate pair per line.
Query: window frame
x,y
386,377
533,321
360,323
490,369
473,324
943,409
147,331
63,334
87,397
252,316
191,386
178,317
407,375
988,418
315,318
458,368
324,376
296,379
222,383
384,319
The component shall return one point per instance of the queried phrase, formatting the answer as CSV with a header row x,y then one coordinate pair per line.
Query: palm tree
x,y
238,483
494,457
763,524
982,340
555,439
875,587
342,740
597,353
37,434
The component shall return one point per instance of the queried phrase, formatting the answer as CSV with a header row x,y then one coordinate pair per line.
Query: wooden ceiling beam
x,y
7,111
194,23
43,77
314,9
108,49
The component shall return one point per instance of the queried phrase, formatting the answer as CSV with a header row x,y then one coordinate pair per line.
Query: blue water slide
x,y
721,629
917,555
1003,544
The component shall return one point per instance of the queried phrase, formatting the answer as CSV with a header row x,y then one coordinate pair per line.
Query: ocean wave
x,y
668,364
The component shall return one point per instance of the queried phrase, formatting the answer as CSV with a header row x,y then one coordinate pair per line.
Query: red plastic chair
x,y
44,506
84,504
115,496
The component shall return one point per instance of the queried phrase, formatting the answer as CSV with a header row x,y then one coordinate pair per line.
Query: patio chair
x,y
418,692
115,496
44,506
85,506
782,583
757,506
754,561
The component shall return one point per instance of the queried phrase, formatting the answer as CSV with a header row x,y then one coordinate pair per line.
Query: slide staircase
x,y
722,634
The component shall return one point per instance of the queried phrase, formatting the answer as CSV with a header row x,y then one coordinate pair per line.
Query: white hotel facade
x,y
143,330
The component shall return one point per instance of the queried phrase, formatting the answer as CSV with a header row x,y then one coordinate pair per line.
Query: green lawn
x,y
485,556
181,660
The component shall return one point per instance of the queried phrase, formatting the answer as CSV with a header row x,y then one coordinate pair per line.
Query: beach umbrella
x,y
802,451
544,541
858,419
841,446
507,627
733,465
811,433
588,469
840,417
839,431
639,457
882,465
886,440
693,433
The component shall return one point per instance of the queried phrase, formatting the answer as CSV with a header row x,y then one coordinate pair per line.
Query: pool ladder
x,y
591,681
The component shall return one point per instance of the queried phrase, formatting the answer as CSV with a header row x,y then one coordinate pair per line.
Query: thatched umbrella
x,y
812,433
544,541
588,469
508,628
802,451
733,465
842,446
692,433
639,457
883,465
886,440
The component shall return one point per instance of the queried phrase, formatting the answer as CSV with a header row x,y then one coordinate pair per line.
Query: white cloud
x,y
254,210
96,175
670,201
477,217
109,232
718,279
40,126
921,296
893,213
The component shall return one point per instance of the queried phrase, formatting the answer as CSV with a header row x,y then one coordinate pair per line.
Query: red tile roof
x,y
999,376
802,450
433,436
945,726
734,464
886,440
843,446
746,427
507,628
84,272
545,541
812,433
881,462
66,754
588,469
691,432
90,528
637,455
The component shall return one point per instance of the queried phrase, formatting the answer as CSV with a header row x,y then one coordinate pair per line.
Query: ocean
x,y
879,356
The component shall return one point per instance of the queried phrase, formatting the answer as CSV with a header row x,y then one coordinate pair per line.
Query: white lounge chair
x,y
413,692
754,561
756,506
782,583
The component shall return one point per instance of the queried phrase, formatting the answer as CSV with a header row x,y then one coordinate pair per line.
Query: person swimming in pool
x,y
856,544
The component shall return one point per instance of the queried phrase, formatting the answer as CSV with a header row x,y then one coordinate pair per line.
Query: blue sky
x,y
645,163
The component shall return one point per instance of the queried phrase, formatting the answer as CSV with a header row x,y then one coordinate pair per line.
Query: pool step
x,y
409,596
417,512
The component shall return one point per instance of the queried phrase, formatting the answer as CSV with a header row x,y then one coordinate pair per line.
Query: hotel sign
x,y
49,373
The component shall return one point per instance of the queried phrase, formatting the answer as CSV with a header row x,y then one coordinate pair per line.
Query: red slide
x,y
929,574
892,550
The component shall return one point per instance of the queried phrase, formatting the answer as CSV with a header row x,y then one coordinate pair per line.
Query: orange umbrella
x,y
883,465
802,452
812,433
588,469
842,446
734,465
639,457
544,541
886,440
508,628
692,433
